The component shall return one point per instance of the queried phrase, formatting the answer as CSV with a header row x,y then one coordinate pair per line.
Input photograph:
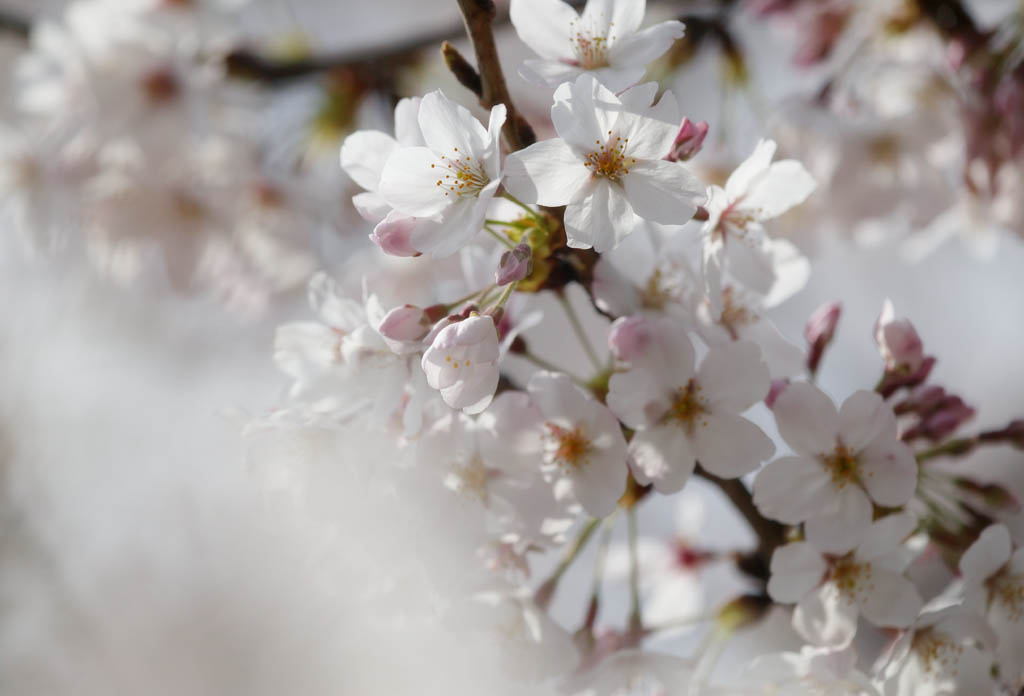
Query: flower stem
x,y
636,625
476,293
530,211
577,327
499,236
547,588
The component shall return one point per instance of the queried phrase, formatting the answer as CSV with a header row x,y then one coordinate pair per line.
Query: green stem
x,y
500,237
530,211
577,327
476,293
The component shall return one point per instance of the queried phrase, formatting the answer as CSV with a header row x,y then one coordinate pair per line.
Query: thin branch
x,y
479,18
12,23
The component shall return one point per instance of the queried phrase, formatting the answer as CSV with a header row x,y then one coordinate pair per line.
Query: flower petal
x,y
546,173
888,470
600,220
892,601
729,446
842,525
797,568
544,26
863,418
664,192
791,489
662,456
557,397
825,617
739,182
643,47
986,555
733,377
408,182
449,129
363,155
782,186
886,535
807,419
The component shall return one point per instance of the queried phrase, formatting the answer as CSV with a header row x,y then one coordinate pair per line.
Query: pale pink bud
x,y
393,235
405,323
688,141
820,328
778,386
515,264
629,337
898,342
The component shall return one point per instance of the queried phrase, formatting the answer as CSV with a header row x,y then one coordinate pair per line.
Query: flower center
x,y
935,650
460,175
686,405
655,295
1007,589
161,86
568,447
850,576
843,466
734,313
609,160
589,47
470,478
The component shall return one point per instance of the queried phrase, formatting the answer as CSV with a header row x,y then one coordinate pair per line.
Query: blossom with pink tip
x,y
820,328
845,461
898,342
993,573
404,323
683,414
462,363
689,140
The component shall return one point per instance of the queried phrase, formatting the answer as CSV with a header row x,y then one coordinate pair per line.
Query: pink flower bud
x,y
393,235
688,141
405,323
515,265
629,337
820,328
778,386
898,342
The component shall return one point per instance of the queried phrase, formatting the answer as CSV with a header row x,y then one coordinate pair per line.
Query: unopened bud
x,y
393,235
945,419
515,264
820,328
778,386
405,323
629,337
898,342
688,141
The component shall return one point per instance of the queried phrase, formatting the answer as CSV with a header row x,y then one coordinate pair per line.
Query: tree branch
x,y
14,24
478,16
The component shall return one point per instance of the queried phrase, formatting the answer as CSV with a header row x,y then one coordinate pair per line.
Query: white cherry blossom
x,y
993,573
584,452
735,240
832,591
683,414
462,362
605,40
809,672
606,166
450,179
844,461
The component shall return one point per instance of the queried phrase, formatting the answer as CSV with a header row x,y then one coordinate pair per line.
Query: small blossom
x,y
994,573
820,328
515,264
843,462
689,140
394,234
831,591
606,166
605,41
462,362
898,342
683,414
404,323
584,450
813,670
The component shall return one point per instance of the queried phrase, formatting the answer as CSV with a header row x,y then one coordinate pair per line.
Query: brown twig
x,y
478,16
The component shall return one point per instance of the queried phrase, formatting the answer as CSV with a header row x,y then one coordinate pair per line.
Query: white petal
x,y
885,535
546,173
843,524
544,72
371,206
792,489
784,185
892,601
557,397
473,394
754,166
638,397
363,155
807,419
863,418
449,129
583,112
407,126
986,555
614,17
733,377
729,446
797,568
662,456
750,260
544,26
408,182
600,221
648,138
601,480
888,470
646,45
826,618
792,271
664,192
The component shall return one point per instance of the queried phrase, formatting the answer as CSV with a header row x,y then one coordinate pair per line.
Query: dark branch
x,y
14,24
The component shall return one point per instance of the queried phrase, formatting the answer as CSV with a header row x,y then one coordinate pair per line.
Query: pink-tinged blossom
x,y
584,452
683,414
462,363
993,573
898,342
449,180
832,591
606,165
515,264
735,241
844,462
394,234
628,337
605,41
689,140
820,328
406,323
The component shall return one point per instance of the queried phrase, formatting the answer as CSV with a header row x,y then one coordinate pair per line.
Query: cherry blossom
x,y
898,342
994,573
584,452
606,166
450,179
462,363
683,414
810,671
844,461
832,591
605,40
